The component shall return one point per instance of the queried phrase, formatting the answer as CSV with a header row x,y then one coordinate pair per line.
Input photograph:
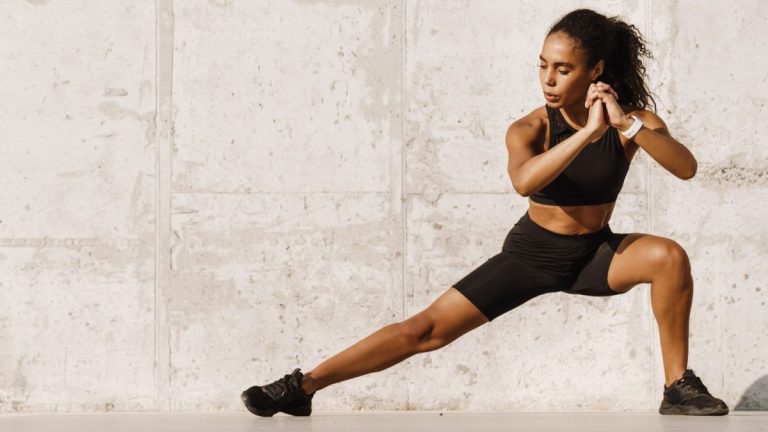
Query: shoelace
x,y
694,384
281,387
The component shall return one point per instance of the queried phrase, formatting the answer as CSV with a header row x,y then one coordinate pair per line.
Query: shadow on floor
x,y
755,397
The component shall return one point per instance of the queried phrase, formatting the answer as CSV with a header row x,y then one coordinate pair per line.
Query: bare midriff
x,y
571,220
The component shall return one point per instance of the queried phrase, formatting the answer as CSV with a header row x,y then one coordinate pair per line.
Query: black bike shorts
x,y
534,261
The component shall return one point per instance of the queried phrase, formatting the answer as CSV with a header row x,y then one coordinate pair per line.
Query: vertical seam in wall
x,y
403,168
164,144
168,163
649,194
157,194
403,204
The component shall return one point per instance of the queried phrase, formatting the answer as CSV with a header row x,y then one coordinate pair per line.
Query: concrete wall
x,y
199,196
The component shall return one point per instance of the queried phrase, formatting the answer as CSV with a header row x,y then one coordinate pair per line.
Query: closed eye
x,y
561,71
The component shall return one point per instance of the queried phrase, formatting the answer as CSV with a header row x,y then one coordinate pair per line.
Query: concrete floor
x,y
752,421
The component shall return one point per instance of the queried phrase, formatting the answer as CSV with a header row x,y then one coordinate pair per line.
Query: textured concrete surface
x,y
199,196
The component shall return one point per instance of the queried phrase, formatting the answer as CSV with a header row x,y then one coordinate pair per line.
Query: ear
x,y
597,70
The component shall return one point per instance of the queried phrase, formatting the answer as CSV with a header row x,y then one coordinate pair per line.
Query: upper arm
x,y
521,145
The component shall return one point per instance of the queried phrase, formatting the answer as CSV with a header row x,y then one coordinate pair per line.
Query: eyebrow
x,y
558,63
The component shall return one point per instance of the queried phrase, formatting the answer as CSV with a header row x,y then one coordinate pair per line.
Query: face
x,y
562,71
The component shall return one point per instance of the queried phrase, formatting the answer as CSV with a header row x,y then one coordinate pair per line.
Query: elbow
x,y
691,172
520,188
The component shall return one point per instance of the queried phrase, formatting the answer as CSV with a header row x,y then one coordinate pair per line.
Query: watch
x,y
634,129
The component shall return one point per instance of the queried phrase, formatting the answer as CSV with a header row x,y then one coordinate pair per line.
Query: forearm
x,y
543,168
669,153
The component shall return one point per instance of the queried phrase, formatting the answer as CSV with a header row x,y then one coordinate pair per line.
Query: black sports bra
x,y
595,176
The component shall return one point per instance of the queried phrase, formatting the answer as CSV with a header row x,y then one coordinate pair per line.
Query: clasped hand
x,y
601,94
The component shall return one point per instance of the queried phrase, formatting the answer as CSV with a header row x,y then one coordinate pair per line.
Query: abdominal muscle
x,y
570,220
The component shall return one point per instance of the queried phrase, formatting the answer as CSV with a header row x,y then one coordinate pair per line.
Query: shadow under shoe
x,y
689,396
284,395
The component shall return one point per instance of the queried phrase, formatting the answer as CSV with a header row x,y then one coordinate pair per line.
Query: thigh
x,y
622,262
641,258
592,279
504,282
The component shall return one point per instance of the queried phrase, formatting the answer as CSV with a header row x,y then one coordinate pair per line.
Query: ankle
x,y
308,384
673,379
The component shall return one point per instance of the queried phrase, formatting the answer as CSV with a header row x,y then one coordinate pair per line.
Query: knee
x,y
418,330
671,257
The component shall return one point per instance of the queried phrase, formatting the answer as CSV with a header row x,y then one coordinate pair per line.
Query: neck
x,y
576,114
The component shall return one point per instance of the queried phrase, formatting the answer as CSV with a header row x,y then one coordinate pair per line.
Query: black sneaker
x,y
284,395
689,396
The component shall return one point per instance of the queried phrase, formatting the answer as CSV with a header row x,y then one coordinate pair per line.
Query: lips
x,y
551,96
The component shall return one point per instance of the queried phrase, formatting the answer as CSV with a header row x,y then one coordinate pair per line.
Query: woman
x,y
570,158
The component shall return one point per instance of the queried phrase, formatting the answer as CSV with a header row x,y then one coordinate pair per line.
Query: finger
x,y
605,94
595,95
606,87
603,85
589,100
591,95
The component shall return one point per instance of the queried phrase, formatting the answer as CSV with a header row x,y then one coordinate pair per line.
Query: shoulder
x,y
524,140
529,127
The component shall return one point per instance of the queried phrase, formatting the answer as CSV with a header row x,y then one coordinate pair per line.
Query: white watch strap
x,y
634,129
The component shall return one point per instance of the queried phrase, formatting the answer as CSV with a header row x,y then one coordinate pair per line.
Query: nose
x,y
548,78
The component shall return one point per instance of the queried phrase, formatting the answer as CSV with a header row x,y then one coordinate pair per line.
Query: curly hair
x,y
619,44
